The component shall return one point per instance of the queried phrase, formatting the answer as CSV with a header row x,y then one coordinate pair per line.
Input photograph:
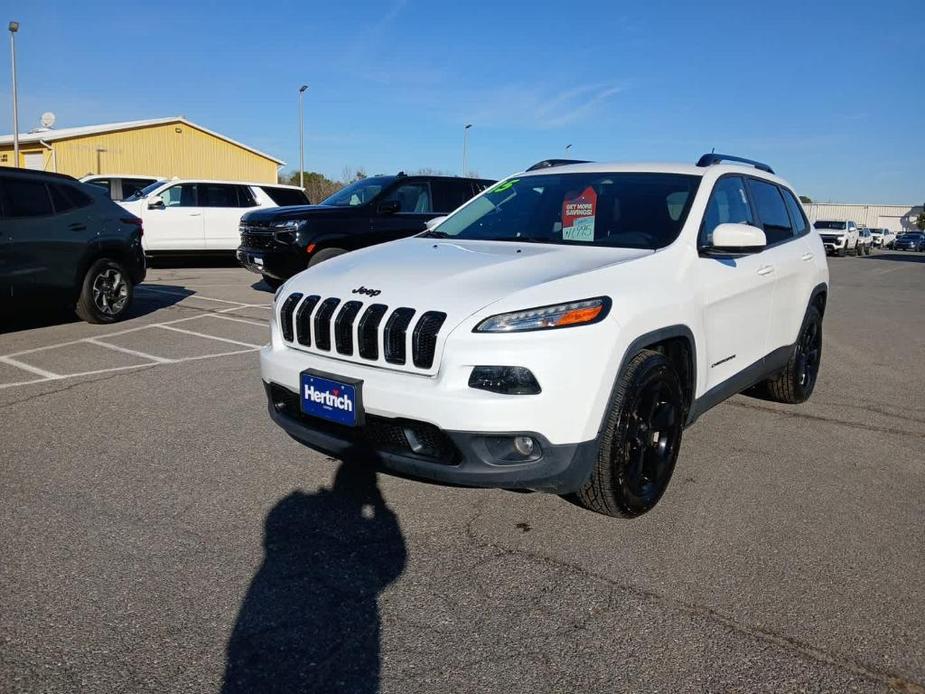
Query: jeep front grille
x,y
396,327
362,332
323,323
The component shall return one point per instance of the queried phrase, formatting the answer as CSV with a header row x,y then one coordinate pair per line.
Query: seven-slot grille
x,y
326,324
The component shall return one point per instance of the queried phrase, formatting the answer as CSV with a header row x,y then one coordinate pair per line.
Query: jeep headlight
x,y
565,315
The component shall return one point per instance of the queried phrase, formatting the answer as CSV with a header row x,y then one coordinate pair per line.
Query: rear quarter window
x,y
286,196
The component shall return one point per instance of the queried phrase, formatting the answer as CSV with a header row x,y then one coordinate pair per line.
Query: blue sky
x,y
832,94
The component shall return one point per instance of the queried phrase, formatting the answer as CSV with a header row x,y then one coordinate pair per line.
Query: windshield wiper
x,y
431,234
517,239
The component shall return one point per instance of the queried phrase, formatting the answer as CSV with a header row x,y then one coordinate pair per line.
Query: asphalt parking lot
x,y
156,526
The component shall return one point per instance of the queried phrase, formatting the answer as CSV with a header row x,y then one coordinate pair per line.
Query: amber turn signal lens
x,y
581,315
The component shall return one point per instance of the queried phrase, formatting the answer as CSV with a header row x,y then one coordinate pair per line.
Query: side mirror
x,y
431,223
155,203
389,207
738,238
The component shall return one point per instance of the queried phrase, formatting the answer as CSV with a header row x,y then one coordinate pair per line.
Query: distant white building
x,y
895,217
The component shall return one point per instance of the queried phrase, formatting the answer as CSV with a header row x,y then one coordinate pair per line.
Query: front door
x,y
737,293
177,225
403,211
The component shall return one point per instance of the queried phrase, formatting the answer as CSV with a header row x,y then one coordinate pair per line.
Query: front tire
x,y
796,382
106,292
842,252
642,437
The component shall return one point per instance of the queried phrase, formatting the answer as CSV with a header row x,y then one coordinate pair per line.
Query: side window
x,y
26,198
413,197
800,225
77,197
103,183
771,210
450,194
246,197
728,205
60,199
130,186
182,195
217,195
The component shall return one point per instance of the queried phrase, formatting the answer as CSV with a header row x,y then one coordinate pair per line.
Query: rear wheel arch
x,y
95,251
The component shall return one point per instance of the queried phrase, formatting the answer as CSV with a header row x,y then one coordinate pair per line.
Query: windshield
x,y
830,225
620,210
914,236
359,193
146,191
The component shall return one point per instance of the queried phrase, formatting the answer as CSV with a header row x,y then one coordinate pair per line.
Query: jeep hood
x,y
456,277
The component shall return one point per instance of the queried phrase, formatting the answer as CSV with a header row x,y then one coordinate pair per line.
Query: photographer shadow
x,y
310,619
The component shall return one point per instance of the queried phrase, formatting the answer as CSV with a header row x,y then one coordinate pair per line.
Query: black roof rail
x,y
712,158
549,163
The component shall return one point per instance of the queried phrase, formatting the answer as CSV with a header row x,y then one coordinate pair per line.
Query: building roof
x,y
50,135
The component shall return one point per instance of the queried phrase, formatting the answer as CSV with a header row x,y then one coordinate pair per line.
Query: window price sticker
x,y
578,216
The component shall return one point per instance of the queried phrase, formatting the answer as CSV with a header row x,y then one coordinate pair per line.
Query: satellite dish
x,y
48,119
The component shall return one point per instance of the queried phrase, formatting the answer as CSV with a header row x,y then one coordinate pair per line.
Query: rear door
x,y
412,200
737,292
789,254
42,246
177,226
222,206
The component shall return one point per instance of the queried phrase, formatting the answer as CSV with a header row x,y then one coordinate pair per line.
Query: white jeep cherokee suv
x,y
558,331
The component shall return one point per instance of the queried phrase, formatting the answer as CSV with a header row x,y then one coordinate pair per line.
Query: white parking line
x,y
96,372
153,359
28,367
133,352
208,337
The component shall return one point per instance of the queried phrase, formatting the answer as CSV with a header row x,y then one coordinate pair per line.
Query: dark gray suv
x,y
66,243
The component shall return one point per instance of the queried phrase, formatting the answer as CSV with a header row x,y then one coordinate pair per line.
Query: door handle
x,y
77,227
765,270
195,214
807,256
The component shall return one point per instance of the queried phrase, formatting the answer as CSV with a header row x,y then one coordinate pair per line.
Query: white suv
x,y
839,237
558,331
192,216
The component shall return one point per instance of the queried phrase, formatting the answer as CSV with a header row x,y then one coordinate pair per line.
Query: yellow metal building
x,y
162,147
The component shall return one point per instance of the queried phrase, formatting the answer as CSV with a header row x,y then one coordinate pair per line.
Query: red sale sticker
x,y
578,215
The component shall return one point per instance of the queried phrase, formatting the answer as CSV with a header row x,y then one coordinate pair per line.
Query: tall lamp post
x,y
465,148
302,137
14,27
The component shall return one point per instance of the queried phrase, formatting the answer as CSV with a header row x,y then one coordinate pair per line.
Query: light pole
x,y
302,137
14,27
465,148
567,148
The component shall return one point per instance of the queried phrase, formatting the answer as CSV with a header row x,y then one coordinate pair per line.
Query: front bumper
x,y
833,245
278,263
460,458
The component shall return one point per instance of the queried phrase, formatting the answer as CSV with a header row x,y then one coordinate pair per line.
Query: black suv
x,y
281,241
66,242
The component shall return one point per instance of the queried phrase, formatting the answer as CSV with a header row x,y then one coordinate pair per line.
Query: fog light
x,y
524,445
508,380
513,449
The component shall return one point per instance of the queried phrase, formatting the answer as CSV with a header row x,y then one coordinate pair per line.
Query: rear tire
x,y
641,440
106,292
325,254
796,382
